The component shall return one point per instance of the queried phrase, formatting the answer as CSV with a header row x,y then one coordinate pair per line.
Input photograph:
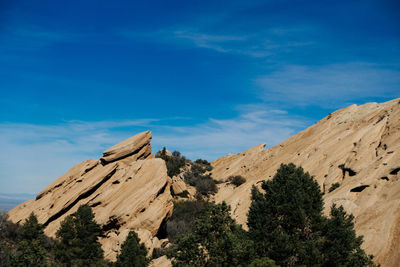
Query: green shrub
x,y
202,161
183,218
237,180
216,240
174,163
204,183
333,187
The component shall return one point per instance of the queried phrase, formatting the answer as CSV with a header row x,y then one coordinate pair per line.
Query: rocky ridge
x,y
127,189
357,147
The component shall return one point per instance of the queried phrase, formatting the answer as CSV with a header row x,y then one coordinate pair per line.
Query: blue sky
x,y
207,77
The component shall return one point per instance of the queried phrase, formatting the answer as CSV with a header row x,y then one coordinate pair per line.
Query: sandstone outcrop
x,y
127,189
357,147
135,147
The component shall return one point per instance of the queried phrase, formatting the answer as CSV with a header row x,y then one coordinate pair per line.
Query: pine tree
x,y
287,224
132,253
30,249
286,220
342,247
216,241
78,236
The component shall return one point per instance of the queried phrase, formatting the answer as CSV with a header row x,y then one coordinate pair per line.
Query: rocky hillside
x,y
127,188
357,147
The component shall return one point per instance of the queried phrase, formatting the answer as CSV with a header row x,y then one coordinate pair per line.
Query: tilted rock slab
x,y
124,192
358,147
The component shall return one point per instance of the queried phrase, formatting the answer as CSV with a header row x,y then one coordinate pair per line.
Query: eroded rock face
x,y
357,147
126,193
135,147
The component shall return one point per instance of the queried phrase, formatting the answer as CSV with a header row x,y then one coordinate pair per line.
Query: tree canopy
x,y
215,241
287,225
78,236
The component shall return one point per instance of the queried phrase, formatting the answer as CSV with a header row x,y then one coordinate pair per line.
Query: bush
x,y
216,240
174,163
204,183
333,187
237,180
205,186
183,218
202,161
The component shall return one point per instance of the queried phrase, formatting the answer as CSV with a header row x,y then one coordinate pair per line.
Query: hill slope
x,y
357,147
127,188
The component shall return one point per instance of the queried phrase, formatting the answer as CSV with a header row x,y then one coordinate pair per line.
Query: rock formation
x,y
127,189
357,147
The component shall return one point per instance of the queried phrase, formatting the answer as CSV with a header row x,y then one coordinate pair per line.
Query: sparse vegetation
x,y
202,161
174,163
183,218
204,183
333,187
195,175
236,180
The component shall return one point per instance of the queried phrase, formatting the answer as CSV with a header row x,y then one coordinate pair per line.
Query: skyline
x,y
205,77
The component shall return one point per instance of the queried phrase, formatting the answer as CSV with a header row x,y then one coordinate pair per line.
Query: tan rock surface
x,y
358,147
138,146
124,194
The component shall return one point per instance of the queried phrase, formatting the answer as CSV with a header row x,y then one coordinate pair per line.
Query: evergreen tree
x,y
285,222
216,241
132,253
342,247
78,236
30,249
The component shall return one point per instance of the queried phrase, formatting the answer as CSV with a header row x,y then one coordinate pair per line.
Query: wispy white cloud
x,y
329,85
256,124
255,44
34,155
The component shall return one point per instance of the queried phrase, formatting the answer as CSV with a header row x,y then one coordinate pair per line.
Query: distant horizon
x,y
207,78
